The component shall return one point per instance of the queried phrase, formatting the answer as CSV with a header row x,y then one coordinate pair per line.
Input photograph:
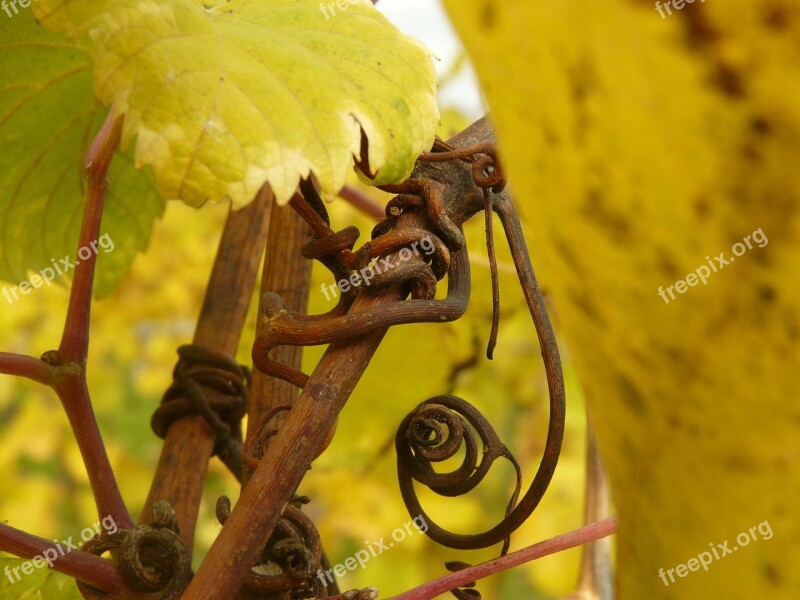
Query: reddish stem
x,y
70,385
65,371
571,539
26,366
98,572
75,341
69,375
362,202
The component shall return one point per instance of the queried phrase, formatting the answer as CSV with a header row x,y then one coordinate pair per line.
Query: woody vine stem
x,y
272,464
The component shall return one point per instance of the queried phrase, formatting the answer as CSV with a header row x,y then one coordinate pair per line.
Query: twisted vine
x,y
294,547
439,427
200,368
152,558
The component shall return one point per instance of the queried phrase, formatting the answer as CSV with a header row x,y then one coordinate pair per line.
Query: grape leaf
x,y
48,116
222,99
38,583
640,146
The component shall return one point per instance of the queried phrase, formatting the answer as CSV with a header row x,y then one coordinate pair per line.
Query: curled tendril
x,y
152,558
294,558
294,547
147,575
436,431
256,444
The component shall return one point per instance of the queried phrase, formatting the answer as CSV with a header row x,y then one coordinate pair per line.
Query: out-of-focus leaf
x,y
48,117
39,583
638,147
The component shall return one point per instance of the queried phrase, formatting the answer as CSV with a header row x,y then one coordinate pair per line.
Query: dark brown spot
x,y
767,293
700,32
772,574
489,15
565,250
583,80
596,209
585,305
701,35
776,17
666,264
631,396
729,80
760,126
675,354
674,421
702,207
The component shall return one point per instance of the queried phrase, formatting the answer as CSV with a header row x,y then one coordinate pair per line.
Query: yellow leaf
x,y
223,99
641,148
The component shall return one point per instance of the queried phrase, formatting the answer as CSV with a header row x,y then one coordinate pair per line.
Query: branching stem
x,y
26,366
98,572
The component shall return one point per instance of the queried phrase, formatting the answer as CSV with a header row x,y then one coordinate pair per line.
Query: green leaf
x,y
39,583
222,99
19,585
48,117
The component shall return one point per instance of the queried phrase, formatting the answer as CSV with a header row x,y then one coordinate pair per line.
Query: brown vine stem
x,y
98,572
289,274
571,539
189,443
300,439
280,472
69,362
286,272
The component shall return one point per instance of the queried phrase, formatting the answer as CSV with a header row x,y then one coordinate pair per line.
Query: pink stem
x,y
577,537
98,572
26,366
362,202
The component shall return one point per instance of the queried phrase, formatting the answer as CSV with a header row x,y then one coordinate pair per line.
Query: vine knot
x,y
198,370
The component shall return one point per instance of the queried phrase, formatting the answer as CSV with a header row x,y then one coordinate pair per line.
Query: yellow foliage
x,y
638,147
